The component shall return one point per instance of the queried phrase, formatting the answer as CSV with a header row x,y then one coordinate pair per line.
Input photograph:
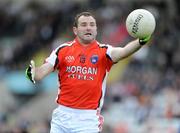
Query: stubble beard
x,y
86,41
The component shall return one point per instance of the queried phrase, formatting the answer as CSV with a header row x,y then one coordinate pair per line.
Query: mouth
x,y
88,34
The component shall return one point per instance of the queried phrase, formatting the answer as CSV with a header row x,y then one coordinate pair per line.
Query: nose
x,y
88,27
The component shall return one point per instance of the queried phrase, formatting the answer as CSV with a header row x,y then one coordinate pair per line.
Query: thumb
x,y
32,64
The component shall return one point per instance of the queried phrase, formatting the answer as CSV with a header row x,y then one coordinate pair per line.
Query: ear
x,y
75,30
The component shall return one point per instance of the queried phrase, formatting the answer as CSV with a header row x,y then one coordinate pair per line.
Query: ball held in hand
x,y
140,23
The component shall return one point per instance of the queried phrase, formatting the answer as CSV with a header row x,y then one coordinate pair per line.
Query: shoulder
x,y
101,45
64,45
106,47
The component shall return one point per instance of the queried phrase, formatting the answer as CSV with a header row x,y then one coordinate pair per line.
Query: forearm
x,y
119,53
39,73
42,71
131,48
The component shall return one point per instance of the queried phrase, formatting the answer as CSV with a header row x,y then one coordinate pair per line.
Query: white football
x,y
140,23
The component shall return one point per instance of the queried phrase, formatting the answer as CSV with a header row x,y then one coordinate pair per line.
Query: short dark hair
x,y
87,14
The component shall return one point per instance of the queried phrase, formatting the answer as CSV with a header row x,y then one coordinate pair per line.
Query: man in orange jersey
x,y
83,66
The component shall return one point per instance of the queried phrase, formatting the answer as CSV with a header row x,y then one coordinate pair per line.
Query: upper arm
x,y
52,59
47,67
116,54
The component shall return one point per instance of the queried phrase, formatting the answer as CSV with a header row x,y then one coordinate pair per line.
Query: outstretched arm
x,y
119,53
37,73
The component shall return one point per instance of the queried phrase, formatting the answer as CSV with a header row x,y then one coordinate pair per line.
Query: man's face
x,y
86,29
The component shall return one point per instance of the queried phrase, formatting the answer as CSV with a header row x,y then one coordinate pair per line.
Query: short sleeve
x,y
52,58
109,60
109,50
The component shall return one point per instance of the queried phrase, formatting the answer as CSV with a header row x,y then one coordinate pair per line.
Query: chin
x,y
86,40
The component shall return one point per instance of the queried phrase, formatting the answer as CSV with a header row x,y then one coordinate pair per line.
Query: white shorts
x,y
69,120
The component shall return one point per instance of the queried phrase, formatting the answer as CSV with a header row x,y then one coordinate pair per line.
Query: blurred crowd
x,y
145,95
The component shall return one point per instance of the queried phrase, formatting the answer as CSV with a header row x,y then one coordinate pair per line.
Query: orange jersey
x,y
82,73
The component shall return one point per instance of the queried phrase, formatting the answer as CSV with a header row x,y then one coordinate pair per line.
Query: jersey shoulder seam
x,y
102,45
67,44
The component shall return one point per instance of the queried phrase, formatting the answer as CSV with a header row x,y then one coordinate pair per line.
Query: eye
x,y
84,24
92,24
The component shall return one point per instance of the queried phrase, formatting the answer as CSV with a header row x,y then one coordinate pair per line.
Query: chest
x,y
82,57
